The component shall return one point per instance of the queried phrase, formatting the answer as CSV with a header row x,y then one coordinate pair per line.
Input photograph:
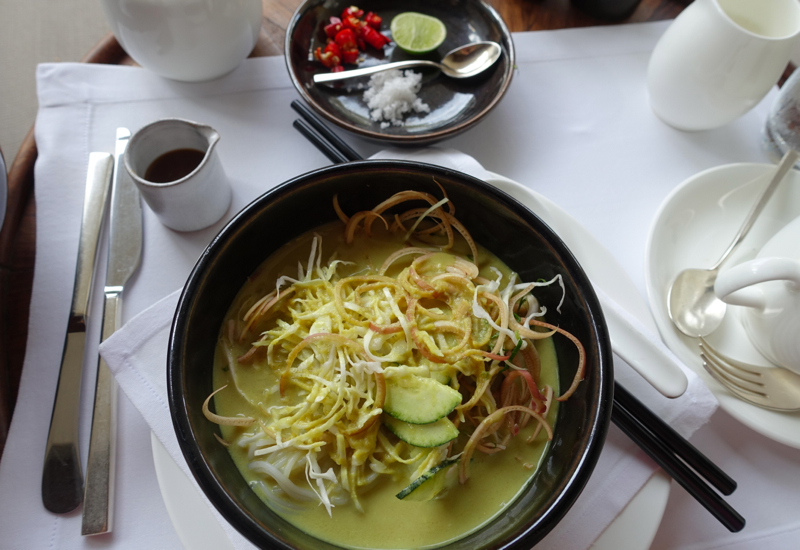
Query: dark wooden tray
x,y
18,235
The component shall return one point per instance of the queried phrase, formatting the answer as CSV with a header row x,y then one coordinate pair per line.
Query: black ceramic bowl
x,y
456,104
497,222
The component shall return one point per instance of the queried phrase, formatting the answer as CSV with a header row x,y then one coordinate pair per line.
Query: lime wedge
x,y
417,33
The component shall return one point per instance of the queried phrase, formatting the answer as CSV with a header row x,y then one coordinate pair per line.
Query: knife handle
x,y
98,499
62,480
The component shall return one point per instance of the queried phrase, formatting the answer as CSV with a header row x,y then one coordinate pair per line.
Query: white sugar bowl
x,y
769,288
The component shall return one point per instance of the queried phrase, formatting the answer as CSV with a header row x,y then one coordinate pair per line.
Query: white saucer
x,y
693,227
633,529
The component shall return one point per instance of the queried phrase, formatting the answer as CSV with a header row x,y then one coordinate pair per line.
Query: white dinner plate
x,y
692,228
633,529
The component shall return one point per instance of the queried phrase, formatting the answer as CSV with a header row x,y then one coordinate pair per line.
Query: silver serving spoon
x,y
691,302
463,62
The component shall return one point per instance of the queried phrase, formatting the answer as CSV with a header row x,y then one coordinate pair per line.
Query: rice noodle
x,y
332,341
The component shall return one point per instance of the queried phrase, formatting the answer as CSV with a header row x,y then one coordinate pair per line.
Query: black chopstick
x,y
654,436
333,140
322,144
680,446
680,472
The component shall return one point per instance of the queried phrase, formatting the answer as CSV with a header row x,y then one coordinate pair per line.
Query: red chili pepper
x,y
353,23
374,38
350,56
346,40
373,20
337,69
333,27
333,47
354,11
350,35
331,57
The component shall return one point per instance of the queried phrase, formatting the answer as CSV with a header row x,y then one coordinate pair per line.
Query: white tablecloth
x,y
575,126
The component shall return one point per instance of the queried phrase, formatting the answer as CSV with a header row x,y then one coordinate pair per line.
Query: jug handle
x,y
734,286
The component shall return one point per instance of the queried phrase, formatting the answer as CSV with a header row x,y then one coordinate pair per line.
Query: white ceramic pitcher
x,y
195,200
188,40
719,58
769,287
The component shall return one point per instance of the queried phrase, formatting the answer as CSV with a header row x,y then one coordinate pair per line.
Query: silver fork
x,y
773,388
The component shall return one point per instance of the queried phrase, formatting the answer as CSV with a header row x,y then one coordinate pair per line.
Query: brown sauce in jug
x,y
174,165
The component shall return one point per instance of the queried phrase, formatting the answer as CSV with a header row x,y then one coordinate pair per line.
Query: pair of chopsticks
x,y
679,458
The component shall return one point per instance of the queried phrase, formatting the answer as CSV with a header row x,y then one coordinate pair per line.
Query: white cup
x,y
719,58
769,288
194,201
189,40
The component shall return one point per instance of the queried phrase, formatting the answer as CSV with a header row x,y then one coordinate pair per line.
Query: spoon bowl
x,y
692,304
463,62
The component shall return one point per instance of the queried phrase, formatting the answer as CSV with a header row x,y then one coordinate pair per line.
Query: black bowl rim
x,y
423,139
597,430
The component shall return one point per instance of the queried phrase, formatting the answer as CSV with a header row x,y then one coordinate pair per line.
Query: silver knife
x,y
62,479
124,253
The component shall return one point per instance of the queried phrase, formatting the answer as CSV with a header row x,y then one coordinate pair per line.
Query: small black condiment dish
x,y
496,221
455,104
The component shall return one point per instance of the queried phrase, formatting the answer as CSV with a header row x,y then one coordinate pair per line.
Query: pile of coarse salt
x,y
391,94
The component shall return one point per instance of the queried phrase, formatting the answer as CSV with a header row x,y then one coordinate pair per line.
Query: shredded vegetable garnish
x,y
399,370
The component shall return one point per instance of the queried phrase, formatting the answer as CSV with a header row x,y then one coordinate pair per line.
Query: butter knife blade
x,y
62,478
124,254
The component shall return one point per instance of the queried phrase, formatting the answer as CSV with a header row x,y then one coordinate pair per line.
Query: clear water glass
x,y
782,129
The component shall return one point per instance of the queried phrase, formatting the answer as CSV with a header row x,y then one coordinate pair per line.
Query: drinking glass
x,y
782,130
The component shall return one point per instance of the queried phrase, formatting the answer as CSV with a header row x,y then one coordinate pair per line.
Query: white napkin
x,y
137,352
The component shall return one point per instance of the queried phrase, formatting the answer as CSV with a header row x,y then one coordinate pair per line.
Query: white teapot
x,y
769,287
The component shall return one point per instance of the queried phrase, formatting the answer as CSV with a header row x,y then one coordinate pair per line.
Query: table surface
x,y
18,235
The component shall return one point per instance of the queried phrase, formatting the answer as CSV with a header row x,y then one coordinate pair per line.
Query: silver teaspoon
x,y
691,303
463,62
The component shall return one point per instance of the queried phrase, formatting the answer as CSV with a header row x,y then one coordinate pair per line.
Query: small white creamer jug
x,y
175,166
769,287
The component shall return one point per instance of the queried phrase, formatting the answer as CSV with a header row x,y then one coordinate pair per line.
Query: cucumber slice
x,y
419,400
422,435
429,484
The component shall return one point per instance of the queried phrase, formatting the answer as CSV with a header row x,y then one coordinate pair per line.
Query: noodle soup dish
x,y
389,355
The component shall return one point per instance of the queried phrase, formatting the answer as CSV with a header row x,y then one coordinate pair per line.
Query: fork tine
x,y
721,362
732,384
746,368
772,388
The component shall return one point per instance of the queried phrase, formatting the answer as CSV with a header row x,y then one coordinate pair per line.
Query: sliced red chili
x,y
350,56
374,38
333,27
352,11
346,40
353,23
373,20
350,35
330,57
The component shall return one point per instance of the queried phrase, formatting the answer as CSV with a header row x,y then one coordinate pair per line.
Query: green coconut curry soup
x,y
387,388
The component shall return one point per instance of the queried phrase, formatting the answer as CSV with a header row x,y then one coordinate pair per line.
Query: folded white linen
x,y
137,353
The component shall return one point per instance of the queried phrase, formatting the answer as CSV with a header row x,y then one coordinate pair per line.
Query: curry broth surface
x,y
387,522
